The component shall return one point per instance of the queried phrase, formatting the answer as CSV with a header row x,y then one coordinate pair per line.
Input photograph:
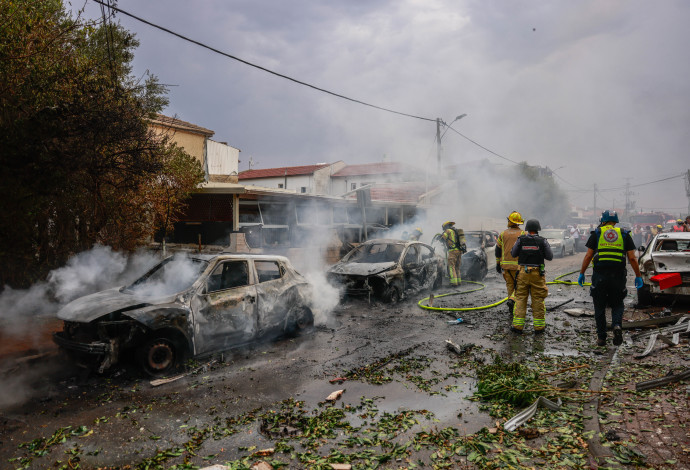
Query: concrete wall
x,y
294,183
193,144
223,160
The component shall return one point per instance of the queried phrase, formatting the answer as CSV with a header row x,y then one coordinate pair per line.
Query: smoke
x,y
85,273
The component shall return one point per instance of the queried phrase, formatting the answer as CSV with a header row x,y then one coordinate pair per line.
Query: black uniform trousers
x,y
608,289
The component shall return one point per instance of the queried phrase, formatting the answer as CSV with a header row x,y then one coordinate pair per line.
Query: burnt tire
x,y
299,320
159,356
392,295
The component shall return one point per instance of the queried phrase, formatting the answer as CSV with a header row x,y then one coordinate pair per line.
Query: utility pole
x,y
687,189
438,144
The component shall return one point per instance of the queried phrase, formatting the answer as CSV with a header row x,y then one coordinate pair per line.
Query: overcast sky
x,y
597,89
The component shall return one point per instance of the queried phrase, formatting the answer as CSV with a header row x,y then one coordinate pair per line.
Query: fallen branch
x,y
564,370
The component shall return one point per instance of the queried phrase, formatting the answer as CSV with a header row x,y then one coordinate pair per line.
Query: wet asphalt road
x,y
126,419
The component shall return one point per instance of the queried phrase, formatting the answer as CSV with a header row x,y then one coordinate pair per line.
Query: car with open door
x,y
665,267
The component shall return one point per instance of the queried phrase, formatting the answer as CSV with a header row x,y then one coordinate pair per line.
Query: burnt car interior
x,y
228,275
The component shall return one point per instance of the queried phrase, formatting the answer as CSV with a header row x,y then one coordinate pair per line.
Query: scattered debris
x,y
338,380
652,341
261,466
579,312
158,382
335,395
458,349
341,466
551,309
649,384
521,418
631,325
264,452
456,321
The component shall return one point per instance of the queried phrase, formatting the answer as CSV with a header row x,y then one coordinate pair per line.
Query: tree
x,y
79,159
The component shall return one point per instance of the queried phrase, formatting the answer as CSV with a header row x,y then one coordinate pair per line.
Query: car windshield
x,y
170,276
376,253
473,240
557,234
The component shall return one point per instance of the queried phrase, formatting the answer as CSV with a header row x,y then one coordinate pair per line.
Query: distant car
x,y
186,307
560,241
479,258
387,269
666,253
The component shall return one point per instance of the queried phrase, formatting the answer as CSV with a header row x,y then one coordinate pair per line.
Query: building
x,y
352,177
306,179
219,161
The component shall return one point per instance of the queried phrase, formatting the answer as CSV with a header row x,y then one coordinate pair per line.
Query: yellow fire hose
x,y
483,307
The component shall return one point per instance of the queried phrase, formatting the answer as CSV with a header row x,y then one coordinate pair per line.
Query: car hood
x,y
361,269
93,306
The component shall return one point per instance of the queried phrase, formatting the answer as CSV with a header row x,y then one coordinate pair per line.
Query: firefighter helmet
x,y
609,216
679,221
532,225
448,224
515,218
419,230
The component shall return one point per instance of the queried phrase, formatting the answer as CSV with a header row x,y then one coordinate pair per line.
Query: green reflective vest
x,y
610,248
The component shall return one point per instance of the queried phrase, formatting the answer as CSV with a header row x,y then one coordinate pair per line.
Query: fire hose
x,y
421,304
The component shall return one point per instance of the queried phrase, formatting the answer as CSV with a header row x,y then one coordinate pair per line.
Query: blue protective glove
x,y
581,279
638,283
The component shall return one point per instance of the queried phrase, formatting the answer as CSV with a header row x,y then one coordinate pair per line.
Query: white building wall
x,y
294,183
222,159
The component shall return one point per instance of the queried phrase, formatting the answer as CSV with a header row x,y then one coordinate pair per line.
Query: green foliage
x,y
512,383
79,160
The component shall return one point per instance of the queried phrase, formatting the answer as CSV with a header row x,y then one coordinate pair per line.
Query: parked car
x,y
186,307
479,258
560,240
666,253
387,269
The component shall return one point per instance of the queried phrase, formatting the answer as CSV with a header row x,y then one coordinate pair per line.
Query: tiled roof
x,y
381,168
165,121
277,172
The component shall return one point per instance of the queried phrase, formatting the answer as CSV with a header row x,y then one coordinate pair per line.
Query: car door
x,y
225,311
413,269
429,264
274,296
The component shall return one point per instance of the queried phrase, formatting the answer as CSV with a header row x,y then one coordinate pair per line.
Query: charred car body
x,y
477,262
667,254
387,269
186,307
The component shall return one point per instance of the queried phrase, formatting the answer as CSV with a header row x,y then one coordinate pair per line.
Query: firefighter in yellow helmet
x,y
505,262
416,234
455,244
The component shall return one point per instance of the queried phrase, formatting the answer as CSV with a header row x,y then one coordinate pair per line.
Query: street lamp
x,y
439,136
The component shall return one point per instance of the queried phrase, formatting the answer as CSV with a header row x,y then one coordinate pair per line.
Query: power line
x,y
645,184
482,147
258,66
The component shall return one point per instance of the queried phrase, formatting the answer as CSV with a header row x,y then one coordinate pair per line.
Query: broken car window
x,y
411,255
228,275
170,276
268,270
376,253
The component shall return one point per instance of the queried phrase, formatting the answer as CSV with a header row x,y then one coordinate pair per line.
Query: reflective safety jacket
x,y
610,247
678,228
452,242
505,243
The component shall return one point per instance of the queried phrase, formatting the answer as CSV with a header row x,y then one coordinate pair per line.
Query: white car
x,y
668,253
560,241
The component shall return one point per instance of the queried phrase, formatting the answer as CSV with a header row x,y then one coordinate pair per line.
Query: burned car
x,y
388,269
477,261
665,267
186,307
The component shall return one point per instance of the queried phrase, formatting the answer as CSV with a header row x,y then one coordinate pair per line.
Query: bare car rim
x,y
158,356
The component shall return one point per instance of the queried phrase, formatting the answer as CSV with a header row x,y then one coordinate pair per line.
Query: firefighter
x,y
608,246
686,226
505,262
416,234
679,227
531,250
455,243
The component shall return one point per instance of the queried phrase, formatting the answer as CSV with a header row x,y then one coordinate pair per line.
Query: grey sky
x,y
597,87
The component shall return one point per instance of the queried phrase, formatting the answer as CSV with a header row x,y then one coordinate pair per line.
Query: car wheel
x,y
299,319
563,252
393,295
159,356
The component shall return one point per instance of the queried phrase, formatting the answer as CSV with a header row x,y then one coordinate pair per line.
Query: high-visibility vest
x,y
506,240
610,247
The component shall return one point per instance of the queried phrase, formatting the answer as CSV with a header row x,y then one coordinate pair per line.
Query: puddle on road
x,y
396,397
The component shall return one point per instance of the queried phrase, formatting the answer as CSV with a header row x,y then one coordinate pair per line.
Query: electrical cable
x,y
212,49
556,280
482,147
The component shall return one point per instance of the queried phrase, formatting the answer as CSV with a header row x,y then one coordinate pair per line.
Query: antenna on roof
x,y
251,162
